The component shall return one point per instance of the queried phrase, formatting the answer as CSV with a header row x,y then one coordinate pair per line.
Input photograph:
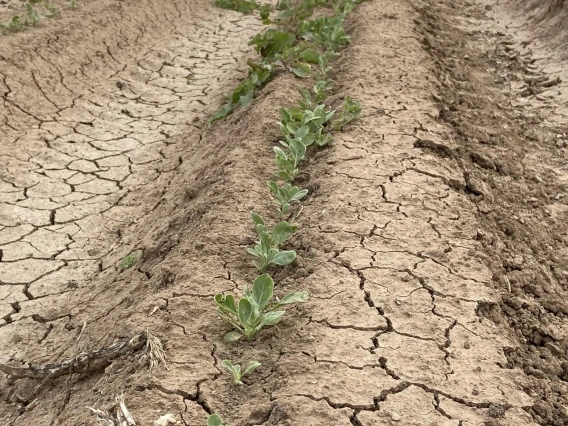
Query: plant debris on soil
x,y
423,225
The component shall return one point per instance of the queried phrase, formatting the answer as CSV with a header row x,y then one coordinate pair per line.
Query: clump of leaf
x,y
285,195
257,309
214,420
304,123
288,159
236,370
266,248
242,6
52,10
259,74
272,42
327,31
351,110
32,16
129,260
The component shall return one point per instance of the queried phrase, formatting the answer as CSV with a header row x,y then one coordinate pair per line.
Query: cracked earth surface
x,y
433,242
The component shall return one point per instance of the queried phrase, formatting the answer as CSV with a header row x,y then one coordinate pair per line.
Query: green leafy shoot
x,y
266,248
16,24
129,260
52,10
236,370
214,420
257,309
272,42
295,59
351,110
288,159
32,16
283,196
242,6
325,30
259,74
306,125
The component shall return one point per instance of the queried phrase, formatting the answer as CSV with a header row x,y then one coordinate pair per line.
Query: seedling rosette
x,y
236,371
256,309
266,248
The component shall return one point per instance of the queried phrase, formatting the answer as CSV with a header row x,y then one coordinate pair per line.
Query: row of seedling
x,y
31,17
304,127
295,44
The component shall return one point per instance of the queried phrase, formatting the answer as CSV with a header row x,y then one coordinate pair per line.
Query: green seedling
x,y
306,124
73,5
214,420
351,110
272,42
236,370
129,260
259,74
16,24
283,196
323,62
266,248
256,309
32,16
295,59
242,6
288,159
325,30
52,10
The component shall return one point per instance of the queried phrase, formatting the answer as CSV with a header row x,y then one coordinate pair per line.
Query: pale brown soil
x,y
434,241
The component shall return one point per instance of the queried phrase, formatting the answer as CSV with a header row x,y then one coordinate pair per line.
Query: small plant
x,y
242,6
259,74
327,31
215,420
16,24
73,5
32,16
266,248
272,42
256,309
288,159
52,10
129,260
285,195
236,370
306,124
351,110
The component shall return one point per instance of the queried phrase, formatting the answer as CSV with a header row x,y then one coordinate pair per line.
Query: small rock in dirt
x,y
395,417
166,420
543,408
496,411
467,345
554,348
475,391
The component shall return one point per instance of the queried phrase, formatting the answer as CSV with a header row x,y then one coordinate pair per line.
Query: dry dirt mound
x,y
433,241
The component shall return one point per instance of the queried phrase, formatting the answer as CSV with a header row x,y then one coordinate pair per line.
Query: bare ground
x,y
433,243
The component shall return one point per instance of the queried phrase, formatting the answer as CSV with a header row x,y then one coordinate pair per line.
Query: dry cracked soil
x,y
433,243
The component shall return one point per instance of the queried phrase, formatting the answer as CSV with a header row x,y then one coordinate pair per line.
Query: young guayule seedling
x,y
236,370
285,195
351,110
214,420
256,309
266,248
305,124
129,260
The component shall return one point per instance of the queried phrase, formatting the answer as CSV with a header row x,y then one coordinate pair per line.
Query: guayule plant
x,y
351,110
266,248
327,31
259,74
214,420
256,309
288,159
236,370
243,6
285,195
272,42
305,124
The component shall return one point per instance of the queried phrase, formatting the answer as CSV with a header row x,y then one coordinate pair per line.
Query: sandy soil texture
x,y
433,242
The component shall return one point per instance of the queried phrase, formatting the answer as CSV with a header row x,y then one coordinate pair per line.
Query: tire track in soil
x,y
503,89
387,249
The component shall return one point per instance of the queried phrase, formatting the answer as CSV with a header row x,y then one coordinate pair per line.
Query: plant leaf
x,y
284,258
233,336
214,420
257,219
245,312
262,290
301,296
271,318
281,233
251,367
